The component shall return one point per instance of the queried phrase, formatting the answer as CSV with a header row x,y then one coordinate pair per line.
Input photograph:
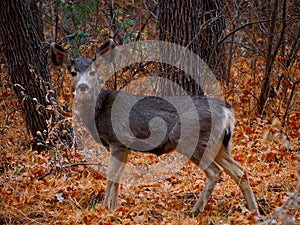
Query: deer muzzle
x,y
83,87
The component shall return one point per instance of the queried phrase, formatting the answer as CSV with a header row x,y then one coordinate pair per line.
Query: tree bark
x,y
198,26
27,62
37,18
272,50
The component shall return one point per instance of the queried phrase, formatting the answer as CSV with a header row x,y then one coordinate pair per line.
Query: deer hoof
x,y
110,203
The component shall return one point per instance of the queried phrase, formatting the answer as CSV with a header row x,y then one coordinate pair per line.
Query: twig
x,y
70,165
291,202
84,164
46,174
290,100
143,26
231,33
11,112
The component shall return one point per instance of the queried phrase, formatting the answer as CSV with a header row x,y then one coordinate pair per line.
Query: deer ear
x,y
104,52
59,56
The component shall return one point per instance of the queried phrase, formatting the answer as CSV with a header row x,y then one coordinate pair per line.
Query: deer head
x,y
84,71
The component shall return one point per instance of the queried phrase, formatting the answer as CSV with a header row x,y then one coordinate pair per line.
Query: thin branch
x,y
143,26
231,33
46,174
69,166
11,112
84,164
290,100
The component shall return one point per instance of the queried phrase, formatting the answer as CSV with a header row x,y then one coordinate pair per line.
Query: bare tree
x,y
27,63
198,26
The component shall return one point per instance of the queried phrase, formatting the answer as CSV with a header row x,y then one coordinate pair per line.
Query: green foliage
x,y
126,27
76,38
77,35
77,12
83,9
126,23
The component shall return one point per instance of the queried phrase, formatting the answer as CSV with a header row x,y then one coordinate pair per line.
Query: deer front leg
x,y
117,161
111,195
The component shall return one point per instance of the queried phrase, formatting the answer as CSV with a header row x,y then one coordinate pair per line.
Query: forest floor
x,y
52,188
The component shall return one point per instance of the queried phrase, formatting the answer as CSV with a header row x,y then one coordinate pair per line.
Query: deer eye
x,y
73,74
92,73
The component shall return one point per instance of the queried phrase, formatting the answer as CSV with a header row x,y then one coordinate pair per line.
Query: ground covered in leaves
x,y
55,187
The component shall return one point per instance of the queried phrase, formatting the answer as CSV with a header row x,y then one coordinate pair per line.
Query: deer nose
x,y
83,87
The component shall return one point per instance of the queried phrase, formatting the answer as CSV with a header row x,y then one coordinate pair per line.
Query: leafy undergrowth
x,y
54,187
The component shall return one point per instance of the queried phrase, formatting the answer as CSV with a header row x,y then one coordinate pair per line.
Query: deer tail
x,y
229,127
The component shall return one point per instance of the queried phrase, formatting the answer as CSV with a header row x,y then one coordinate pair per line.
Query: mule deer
x,y
212,146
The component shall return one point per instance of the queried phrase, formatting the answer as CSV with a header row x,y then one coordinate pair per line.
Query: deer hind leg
x,y
238,173
213,173
117,161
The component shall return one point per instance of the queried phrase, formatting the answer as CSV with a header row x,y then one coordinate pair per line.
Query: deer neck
x,y
85,104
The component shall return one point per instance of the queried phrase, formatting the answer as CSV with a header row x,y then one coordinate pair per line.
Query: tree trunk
x,y
272,50
27,62
197,25
38,21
